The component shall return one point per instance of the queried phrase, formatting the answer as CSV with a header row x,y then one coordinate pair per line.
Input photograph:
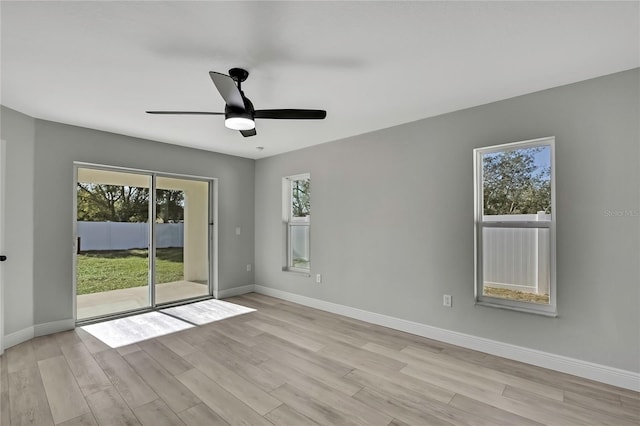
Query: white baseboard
x,y
18,337
601,373
29,333
235,291
54,327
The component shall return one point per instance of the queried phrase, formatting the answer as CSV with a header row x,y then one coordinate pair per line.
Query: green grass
x,y
112,270
516,295
300,263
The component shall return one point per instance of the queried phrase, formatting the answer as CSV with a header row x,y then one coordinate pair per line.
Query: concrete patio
x,y
114,301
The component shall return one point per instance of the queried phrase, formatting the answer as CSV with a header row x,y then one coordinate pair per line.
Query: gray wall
x,y
392,219
38,285
18,130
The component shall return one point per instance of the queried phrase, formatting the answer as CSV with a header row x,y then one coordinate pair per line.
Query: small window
x,y
515,226
297,221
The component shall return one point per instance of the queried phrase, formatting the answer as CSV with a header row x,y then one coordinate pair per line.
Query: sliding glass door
x,y
181,243
126,262
112,256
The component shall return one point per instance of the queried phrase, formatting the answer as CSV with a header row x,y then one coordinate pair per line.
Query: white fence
x,y
517,258
124,235
300,242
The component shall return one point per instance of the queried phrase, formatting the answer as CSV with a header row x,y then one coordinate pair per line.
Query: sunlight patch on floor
x,y
136,328
207,311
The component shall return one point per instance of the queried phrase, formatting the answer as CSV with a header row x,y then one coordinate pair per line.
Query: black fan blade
x,y
247,133
291,114
186,112
228,89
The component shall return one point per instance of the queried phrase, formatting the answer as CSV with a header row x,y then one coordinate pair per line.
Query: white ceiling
x,y
371,65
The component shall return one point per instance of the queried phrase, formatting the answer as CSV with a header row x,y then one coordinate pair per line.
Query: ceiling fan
x,y
239,113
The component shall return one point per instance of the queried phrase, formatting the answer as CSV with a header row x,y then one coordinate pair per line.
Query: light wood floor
x,y
286,364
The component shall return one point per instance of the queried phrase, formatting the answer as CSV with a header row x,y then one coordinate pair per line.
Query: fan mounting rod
x,y
238,75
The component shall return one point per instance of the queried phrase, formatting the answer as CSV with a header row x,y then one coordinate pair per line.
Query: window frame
x,y
290,221
479,224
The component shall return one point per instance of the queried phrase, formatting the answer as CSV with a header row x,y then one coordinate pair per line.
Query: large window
x,y
296,215
515,226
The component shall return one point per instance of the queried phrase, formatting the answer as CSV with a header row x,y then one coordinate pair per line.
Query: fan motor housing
x,y
237,112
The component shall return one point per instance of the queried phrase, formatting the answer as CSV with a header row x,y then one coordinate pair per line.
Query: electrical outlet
x,y
248,267
237,230
318,278
446,300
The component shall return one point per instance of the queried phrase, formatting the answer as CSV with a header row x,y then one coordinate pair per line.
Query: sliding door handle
x,y
3,258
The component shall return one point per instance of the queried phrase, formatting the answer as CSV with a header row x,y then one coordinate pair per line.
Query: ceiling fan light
x,y
239,123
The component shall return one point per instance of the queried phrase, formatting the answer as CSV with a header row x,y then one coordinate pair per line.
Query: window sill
x,y
297,273
550,314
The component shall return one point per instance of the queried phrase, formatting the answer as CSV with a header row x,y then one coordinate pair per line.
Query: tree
x,y
169,205
114,203
301,197
514,184
98,202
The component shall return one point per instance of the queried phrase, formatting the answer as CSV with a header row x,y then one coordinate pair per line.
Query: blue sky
x,y
543,158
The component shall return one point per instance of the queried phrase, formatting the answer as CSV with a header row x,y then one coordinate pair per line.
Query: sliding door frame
x,y
212,226
3,168
151,271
